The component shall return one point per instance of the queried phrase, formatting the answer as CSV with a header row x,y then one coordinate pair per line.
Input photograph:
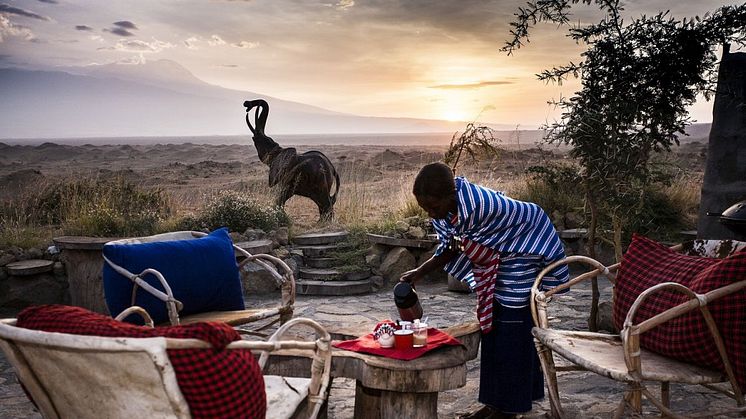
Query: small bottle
x,y
407,302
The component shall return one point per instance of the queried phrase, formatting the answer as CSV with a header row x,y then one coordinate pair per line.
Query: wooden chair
x,y
619,356
251,321
133,377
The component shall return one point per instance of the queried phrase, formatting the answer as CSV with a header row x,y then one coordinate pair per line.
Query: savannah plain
x,y
376,172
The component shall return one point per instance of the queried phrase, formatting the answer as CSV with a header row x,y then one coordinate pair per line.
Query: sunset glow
x,y
417,59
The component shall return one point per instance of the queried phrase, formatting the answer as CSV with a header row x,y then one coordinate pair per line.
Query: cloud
x,y
8,28
345,4
119,31
49,1
228,66
126,24
246,44
139,46
122,28
191,43
471,85
83,28
4,8
216,40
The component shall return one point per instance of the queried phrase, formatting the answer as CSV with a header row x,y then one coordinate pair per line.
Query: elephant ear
x,y
282,164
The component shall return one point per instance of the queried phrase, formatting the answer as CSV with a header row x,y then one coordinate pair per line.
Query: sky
x,y
406,58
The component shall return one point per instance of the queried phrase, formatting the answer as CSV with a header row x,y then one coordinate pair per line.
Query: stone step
x,y
310,287
313,239
319,274
29,267
319,262
325,274
255,246
395,241
321,251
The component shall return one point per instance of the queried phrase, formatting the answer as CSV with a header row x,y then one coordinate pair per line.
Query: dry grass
x,y
684,194
375,192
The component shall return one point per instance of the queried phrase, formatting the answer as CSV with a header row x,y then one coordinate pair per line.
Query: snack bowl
x,y
384,335
386,340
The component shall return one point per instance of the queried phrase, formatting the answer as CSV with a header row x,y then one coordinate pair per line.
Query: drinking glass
x,y
420,335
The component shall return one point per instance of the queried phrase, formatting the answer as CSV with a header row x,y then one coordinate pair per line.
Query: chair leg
x,y
550,376
636,398
622,405
666,395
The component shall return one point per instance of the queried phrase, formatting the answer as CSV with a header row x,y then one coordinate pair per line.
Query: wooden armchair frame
x,y
133,377
620,357
275,266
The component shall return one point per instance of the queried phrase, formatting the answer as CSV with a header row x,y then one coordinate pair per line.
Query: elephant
x,y
310,174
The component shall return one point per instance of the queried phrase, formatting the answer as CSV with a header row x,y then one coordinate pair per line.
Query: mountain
x,y
162,98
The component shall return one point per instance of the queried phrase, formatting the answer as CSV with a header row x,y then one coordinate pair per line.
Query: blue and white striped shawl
x,y
507,225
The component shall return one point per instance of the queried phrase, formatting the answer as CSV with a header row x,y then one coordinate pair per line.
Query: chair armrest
x,y
321,363
173,305
136,310
286,280
539,299
631,332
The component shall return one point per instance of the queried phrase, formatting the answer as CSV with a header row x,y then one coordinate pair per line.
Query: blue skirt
x,y
510,376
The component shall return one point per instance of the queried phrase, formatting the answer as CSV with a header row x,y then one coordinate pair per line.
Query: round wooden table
x,y
394,389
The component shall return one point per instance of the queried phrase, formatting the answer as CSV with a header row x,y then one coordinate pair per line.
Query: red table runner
x,y
367,344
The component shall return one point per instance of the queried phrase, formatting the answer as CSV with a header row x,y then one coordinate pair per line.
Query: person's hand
x,y
409,276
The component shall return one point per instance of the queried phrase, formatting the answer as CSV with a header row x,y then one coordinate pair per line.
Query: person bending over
x,y
498,245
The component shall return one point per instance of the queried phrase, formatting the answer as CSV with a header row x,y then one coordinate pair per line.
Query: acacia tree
x,y
638,78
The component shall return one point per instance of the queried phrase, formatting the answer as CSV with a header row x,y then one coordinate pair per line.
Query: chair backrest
x,y
76,376
72,376
185,270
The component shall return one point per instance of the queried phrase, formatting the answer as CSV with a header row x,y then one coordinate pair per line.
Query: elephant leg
x,y
283,195
326,211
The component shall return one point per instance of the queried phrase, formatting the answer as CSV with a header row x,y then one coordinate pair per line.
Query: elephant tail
x,y
333,197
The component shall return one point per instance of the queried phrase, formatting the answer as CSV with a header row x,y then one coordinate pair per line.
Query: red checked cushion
x,y
216,383
686,338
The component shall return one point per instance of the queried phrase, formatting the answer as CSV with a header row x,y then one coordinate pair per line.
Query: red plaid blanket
x,y
216,383
686,338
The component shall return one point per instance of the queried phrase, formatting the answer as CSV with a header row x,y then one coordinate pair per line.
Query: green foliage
x,y
239,212
476,141
638,79
351,258
553,187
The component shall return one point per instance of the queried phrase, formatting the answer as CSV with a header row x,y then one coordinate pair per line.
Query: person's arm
x,y
435,262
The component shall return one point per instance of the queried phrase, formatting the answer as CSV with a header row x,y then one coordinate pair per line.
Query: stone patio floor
x,y
584,395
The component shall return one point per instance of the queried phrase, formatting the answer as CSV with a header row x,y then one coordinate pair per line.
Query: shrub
x,y
92,207
239,212
554,187
412,209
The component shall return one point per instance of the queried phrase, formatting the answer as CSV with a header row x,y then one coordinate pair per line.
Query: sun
x,y
456,106
454,114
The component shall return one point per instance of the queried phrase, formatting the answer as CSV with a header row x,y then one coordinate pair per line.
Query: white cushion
x,y
284,395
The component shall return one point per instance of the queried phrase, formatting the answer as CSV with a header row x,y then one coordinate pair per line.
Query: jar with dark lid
x,y
407,302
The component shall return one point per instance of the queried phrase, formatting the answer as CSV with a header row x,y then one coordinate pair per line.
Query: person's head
x,y
435,190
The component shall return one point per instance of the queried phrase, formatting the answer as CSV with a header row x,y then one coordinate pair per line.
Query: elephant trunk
x,y
264,144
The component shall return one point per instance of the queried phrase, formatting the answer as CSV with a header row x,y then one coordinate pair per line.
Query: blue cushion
x,y
202,273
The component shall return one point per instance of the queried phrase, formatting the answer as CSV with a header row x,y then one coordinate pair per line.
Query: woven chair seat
x,y
604,355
